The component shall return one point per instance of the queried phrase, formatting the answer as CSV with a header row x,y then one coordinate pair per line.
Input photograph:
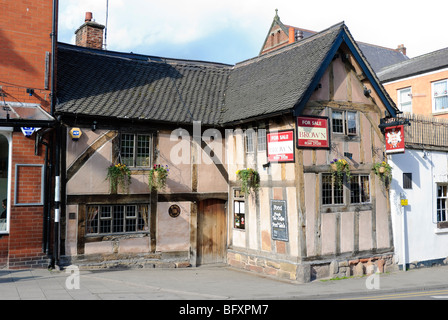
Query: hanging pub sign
x,y
279,220
313,132
394,139
280,146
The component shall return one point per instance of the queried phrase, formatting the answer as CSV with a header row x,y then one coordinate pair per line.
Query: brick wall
x,y
25,31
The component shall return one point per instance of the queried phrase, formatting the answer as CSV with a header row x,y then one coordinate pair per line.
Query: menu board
x,y
279,220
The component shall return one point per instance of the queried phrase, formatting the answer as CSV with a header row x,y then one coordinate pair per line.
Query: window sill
x,y
441,231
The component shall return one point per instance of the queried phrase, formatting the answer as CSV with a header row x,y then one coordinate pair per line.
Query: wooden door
x,y
212,235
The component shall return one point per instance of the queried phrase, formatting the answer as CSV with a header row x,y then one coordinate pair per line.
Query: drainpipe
x,y
57,193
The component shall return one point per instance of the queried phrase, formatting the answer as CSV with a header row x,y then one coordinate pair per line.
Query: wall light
x,y
30,91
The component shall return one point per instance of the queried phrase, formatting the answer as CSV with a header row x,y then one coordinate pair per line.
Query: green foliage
x,y
119,175
250,180
157,177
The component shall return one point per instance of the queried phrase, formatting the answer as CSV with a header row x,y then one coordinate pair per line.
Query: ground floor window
x,y
442,215
118,218
333,192
239,214
359,189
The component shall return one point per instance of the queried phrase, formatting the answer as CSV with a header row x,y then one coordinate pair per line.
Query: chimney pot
x,y
88,16
401,48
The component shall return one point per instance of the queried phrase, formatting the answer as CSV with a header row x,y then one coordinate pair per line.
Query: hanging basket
x,y
157,177
249,179
119,176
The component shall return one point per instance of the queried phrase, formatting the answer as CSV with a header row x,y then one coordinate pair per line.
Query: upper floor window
x,y
440,95
405,100
261,137
344,122
135,150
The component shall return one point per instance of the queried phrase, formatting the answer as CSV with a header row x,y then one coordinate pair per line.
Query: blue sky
x,y
232,31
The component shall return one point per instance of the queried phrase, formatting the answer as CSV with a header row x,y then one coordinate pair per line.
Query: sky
x,y
231,31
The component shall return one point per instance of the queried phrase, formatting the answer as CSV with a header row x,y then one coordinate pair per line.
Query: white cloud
x,y
151,24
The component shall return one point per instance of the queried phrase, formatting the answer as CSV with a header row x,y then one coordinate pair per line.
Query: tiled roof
x,y
276,81
127,86
425,63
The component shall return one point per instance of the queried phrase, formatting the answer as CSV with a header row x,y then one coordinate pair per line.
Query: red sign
x,y
313,132
280,146
394,139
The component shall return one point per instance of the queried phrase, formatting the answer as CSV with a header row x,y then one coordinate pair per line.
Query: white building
x,y
420,175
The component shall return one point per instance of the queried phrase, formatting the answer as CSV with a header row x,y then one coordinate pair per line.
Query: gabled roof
x,y
283,80
379,57
422,64
127,86
130,86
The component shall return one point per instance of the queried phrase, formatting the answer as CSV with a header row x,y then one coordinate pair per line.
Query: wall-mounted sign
x,y
75,134
174,211
280,146
313,132
394,139
279,220
28,131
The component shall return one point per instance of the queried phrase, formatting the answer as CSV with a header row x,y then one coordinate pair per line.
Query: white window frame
x,y
433,97
443,198
7,133
408,106
261,140
250,140
345,122
96,214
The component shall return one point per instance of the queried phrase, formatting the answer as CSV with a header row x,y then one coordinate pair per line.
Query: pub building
x,y
268,163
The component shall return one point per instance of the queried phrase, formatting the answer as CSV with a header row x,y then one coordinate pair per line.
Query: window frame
x,y
442,211
399,99
433,97
134,163
100,217
360,188
261,140
345,121
240,199
335,189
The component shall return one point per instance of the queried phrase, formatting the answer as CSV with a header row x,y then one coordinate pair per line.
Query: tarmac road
x,y
217,282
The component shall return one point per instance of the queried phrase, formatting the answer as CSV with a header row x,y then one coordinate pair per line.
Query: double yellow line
x,y
405,295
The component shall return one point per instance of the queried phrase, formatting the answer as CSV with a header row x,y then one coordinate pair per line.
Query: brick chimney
x,y
90,34
401,48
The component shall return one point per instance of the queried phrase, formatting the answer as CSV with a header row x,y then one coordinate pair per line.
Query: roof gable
x,y
283,81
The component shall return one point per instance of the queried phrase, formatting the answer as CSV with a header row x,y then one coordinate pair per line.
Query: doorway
x,y
212,232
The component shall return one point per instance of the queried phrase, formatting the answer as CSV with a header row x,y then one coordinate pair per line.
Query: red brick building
x,y
26,129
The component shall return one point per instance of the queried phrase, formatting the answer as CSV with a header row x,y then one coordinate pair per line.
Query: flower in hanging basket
x,y
250,180
119,175
383,170
338,168
157,177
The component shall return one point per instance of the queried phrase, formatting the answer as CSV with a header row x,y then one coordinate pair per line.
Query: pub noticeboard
x,y
279,220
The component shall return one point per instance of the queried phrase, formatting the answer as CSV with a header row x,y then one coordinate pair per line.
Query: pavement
x,y
216,282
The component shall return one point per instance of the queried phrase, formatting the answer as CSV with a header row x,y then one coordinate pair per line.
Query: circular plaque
x,y
174,211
